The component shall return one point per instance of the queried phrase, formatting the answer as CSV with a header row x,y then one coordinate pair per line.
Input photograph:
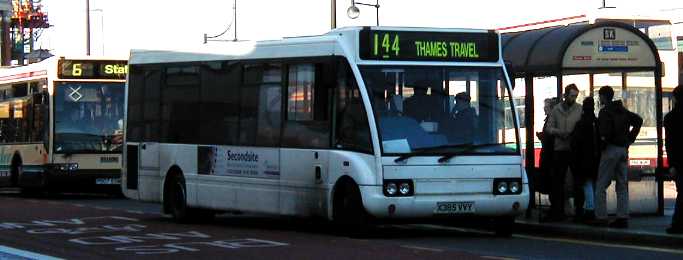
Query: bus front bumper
x,y
83,179
443,205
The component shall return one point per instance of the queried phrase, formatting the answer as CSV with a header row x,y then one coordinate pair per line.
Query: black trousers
x,y
561,162
677,219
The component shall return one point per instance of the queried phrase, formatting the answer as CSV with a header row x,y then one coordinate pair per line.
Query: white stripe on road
x,y
8,253
423,248
563,240
590,243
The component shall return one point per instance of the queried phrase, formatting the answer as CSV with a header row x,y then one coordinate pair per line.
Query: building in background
x,y
22,24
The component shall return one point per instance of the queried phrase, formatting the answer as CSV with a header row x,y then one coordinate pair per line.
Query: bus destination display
x,y
92,69
428,46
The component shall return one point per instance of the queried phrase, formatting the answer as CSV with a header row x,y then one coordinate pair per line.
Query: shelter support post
x,y
591,84
529,126
559,85
659,172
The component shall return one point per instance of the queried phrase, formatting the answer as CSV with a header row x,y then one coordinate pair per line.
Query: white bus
x,y
356,124
61,124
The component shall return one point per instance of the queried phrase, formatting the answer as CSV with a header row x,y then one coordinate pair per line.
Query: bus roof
x,y
335,42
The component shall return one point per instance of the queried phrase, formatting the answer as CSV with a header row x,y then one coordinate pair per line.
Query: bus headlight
x,y
404,189
391,188
514,187
507,186
398,188
502,187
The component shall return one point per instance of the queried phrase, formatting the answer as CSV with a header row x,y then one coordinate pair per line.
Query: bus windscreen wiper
x,y
428,150
470,147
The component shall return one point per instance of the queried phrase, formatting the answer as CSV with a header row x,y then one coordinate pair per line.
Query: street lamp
x,y
353,12
102,25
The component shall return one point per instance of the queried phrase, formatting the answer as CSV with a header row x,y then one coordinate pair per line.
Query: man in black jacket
x,y
674,151
618,129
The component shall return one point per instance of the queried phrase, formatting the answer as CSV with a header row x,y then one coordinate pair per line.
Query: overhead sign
x,y
608,47
428,46
92,69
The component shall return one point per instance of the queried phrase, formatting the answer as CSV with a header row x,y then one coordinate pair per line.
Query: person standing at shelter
x,y
673,124
618,129
586,156
563,119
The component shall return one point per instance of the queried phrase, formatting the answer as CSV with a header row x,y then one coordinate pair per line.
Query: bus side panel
x,y
236,184
149,175
33,158
359,166
303,182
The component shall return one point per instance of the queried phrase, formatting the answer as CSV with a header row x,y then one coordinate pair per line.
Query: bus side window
x,y
4,122
179,105
220,103
307,111
260,115
352,129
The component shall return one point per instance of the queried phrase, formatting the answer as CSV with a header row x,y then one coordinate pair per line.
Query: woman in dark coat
x,y
586,155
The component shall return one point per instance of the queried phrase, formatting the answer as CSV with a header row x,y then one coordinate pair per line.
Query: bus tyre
x,y
176,198
504,226
347,210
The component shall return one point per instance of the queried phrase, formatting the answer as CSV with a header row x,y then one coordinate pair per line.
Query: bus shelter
x,y
545,60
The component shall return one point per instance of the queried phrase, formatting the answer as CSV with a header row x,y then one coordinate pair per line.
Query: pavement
x,y
642,230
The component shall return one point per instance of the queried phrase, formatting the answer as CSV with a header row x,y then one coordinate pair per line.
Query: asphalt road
x,y
88,227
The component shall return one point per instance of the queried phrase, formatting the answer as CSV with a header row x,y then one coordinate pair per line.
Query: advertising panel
x,y
252,162
608,47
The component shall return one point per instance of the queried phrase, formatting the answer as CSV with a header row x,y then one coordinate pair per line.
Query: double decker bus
x,y
635,89
357,124
61,124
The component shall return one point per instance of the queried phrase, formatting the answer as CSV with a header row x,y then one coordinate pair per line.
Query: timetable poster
x,y
250,162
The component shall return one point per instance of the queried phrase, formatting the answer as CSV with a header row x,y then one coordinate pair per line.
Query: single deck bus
x,y
61,124
359,123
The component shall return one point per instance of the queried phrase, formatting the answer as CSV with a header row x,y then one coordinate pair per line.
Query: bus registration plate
x,y
460,207
108,181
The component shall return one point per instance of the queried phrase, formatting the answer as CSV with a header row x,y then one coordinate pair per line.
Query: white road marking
x,y
590,243
135,212
499,257
423,248
564,240
8,253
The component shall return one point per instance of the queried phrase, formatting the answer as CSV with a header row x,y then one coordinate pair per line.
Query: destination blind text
x,y
446,49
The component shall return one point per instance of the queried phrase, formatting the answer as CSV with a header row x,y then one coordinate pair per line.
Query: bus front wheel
x,y
347,209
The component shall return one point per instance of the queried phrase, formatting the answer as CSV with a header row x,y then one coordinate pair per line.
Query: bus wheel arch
x,y
347,203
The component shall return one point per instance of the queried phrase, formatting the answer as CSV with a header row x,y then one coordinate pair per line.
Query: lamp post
x,y
87,27
102,25
353,12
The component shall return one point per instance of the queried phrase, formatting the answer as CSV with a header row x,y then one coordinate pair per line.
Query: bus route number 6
x,y
76,69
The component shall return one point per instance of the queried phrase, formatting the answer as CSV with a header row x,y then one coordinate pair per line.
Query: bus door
x,y
142,149
306,138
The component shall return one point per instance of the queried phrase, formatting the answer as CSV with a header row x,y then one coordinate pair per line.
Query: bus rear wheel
x,y
176,202
176,198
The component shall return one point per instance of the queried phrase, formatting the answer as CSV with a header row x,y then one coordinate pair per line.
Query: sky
x,y
116,26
